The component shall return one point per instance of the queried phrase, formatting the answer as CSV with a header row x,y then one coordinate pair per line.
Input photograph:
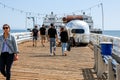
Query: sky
x,y
14,12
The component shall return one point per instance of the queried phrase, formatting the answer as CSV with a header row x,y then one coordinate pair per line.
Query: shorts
x,y
35,37
43,37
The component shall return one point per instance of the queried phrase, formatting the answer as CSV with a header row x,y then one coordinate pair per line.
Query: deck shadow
x,y
47,56
90,74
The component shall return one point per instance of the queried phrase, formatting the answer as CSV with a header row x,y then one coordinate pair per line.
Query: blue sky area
x,y
13,12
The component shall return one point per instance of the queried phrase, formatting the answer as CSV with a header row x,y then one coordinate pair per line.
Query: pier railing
x,y
94,39
22,36
97,38
106,64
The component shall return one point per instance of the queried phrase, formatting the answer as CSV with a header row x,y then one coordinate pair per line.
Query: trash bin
x,y
106,48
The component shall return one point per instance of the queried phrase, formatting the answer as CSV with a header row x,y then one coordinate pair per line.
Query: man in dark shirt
x,y
35,35
43,34
52,34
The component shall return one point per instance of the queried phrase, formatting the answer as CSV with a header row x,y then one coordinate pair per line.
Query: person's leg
x,y
54,46
9,63
65,47
62,46
2,64
42,40
51,46
35,41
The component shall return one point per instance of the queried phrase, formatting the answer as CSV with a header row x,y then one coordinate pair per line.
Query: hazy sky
x,y
13,12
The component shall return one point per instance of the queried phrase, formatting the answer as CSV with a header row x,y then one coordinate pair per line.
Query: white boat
x,y
83,17
52,18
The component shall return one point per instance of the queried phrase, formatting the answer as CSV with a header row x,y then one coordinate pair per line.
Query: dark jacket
x,y
64,36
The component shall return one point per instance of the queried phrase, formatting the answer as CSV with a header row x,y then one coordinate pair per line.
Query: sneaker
x,y
65,54
51,54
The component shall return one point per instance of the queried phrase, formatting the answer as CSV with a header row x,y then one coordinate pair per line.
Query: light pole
x,y
102,17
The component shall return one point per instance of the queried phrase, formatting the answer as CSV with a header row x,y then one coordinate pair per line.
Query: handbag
x,y
15,57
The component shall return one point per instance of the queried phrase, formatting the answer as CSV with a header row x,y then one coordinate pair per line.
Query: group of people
x,y
35,33
52,37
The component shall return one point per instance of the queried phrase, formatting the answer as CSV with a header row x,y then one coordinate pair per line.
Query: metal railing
x,y
97,38
22,36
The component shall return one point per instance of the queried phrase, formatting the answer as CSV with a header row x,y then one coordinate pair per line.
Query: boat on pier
x,y
63,20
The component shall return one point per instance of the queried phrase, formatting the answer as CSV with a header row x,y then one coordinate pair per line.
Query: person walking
x,y
35,35
43,35
64,40
9,51
52,34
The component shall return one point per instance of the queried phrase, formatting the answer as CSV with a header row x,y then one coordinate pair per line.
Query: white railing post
x,y
118,72
96,58
102,66
111,73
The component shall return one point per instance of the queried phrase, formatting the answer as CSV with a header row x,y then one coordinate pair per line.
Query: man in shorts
x,y
43,35
35,35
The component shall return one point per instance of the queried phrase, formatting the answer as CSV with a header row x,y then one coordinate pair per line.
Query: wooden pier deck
x,y
35,64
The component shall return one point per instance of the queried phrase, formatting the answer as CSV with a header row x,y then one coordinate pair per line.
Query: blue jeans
x,y
52,45
6,61
64,47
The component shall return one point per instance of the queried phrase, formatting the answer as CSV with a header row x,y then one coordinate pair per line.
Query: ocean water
x,y
115,33
15,31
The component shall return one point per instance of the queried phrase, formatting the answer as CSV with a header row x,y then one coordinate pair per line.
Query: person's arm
x,y
67,35
40,31
56,36
48,35
15,45
15,48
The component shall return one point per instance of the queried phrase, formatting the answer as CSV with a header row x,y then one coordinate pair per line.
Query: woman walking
x,y
64,40
8,51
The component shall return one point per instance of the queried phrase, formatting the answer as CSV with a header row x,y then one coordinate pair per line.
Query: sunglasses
x,y
5,27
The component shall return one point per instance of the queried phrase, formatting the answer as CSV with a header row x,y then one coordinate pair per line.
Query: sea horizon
x,y
115,33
